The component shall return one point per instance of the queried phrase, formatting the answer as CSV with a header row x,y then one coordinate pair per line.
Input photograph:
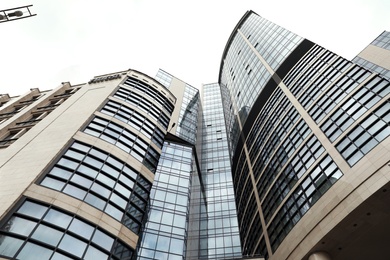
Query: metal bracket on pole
x,y
16,13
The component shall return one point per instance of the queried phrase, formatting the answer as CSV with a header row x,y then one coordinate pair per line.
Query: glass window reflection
x,y
34,252
47,235
19,226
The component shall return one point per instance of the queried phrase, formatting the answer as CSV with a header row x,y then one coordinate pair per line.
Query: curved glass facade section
x,y
312,75
275,154
355,106
134,119
366,135
146,105
151,92
125,139
266,122
272,42
103,181
243,85
333,95
243,73
305,195
40,231
282,151
337,95
255,49
289,175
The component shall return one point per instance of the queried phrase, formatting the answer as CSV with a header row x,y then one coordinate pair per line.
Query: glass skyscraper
x,y
304,124
222,227
285,157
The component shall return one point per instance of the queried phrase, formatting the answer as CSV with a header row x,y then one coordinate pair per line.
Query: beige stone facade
x,y
67,109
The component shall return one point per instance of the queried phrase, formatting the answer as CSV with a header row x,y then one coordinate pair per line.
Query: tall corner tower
x,y
309,141
77,166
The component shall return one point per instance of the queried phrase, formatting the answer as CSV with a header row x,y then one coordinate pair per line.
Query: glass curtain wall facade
x,y
210,215
243,73
222,229
187,122
166,229
172,203
255,50
295,114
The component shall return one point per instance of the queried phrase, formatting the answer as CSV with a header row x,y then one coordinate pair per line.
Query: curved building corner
x,y
309,140
77,167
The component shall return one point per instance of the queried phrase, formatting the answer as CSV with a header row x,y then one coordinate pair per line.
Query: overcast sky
x,y
74,40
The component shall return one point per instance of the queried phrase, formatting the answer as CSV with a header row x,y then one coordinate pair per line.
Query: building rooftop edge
x,y
176,77
242,20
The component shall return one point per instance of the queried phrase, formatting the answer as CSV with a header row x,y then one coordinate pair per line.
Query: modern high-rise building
x,y
309,140
286,157
75,182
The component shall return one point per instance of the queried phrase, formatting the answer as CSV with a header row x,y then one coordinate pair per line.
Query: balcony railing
x,y
29,122
9,114
7,142
48,107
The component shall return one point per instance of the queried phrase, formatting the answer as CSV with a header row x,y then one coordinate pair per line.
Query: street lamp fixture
x,y
15,13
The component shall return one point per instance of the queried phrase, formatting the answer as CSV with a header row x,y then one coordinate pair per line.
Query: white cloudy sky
x,y
74,40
